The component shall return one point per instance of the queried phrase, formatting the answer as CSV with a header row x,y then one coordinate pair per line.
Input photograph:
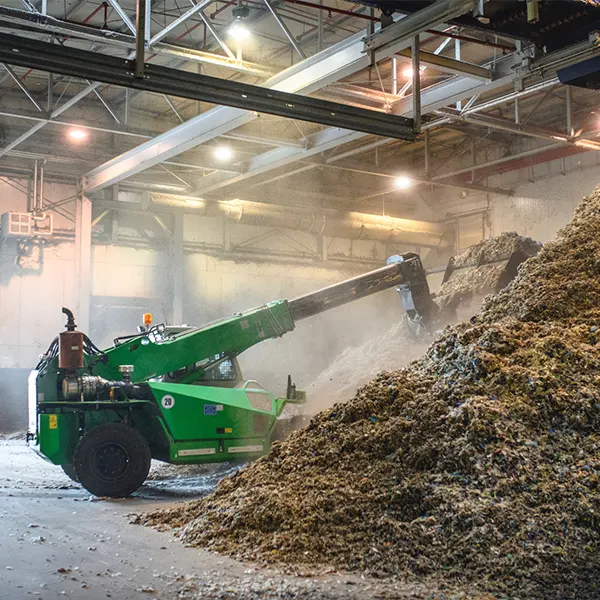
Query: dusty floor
x,y
58,542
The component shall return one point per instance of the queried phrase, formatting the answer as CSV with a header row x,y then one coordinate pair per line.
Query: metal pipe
x,y
538,87
148,21
39,201
33,198
326,222
427,154
284,28
500,161
320,28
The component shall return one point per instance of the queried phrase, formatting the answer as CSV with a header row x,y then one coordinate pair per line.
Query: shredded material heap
x,y
459,298
357,365
477,465
480,271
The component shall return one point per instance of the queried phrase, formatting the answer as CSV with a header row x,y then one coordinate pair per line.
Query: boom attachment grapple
x,y
176,394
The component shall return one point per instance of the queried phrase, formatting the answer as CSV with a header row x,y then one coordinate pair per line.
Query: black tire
x,y
112,460
70,472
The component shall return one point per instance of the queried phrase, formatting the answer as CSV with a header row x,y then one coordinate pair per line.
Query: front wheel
x,y
112,460
69,470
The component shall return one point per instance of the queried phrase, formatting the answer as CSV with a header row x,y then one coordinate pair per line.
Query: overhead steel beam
x,y
432,98
505,69
418,22
274,159
215,182
266,140
182,19
217,37
56,113
456,89
285,29
194,86
147,134
22,87
124,17
308,76
535,131
472,187
498,161
39,22
451,65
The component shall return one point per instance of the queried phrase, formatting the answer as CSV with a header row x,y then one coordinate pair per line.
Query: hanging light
x,y
407,73
238,30
403,182
77,135
223,153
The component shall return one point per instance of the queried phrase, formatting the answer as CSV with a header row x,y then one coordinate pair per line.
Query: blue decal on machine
x,y
210,410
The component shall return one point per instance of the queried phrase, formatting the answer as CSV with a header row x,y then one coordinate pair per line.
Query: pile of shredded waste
x,y
459,298
480,271
477,465
357,365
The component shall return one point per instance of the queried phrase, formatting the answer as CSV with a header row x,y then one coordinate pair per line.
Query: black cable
x,y
51,353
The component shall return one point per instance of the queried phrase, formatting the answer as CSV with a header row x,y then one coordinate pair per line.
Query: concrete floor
x,y
58,542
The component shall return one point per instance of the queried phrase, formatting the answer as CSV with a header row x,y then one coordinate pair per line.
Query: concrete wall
x,y
545,198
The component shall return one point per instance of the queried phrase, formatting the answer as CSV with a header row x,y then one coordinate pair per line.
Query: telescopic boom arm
x,y
154,356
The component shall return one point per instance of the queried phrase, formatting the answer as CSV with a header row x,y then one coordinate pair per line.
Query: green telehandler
x,y
176,394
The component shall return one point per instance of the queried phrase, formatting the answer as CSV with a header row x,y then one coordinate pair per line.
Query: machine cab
x,y
220,370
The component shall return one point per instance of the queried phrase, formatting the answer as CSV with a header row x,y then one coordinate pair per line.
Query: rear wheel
x,y
112,460
69,470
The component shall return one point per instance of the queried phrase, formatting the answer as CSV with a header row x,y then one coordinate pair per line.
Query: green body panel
x,y
198,412
58,434
233,336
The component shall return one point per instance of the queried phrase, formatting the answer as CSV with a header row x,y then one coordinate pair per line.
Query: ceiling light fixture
x,y
408,72
238,30
223,153
403,182
77,135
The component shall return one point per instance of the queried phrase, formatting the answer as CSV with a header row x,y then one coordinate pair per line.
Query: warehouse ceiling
x,y
489,92
558,23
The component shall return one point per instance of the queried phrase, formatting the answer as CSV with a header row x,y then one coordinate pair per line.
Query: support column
x,y
416,84
570,131
83,261
320,29
177,267
140,42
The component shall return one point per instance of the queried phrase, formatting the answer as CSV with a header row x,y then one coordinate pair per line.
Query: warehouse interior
x,y
192,161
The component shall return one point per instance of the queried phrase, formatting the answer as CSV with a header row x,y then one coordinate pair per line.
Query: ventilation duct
x,y
326,222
